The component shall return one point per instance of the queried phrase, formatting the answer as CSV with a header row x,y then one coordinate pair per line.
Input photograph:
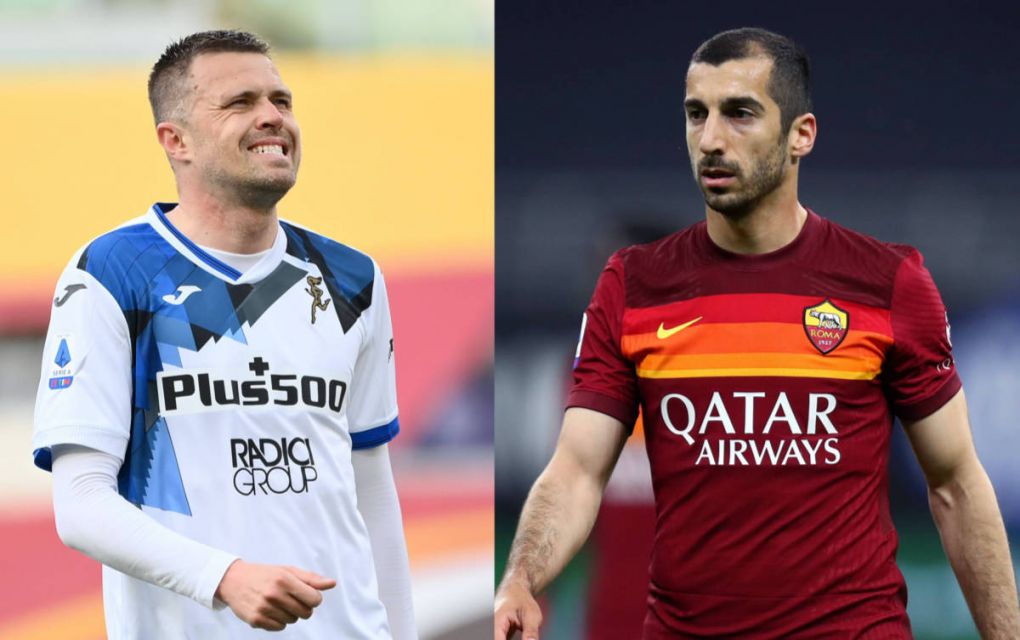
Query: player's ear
x,y
802,134
172,138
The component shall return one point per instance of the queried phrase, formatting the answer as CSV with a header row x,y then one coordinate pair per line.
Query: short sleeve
x,y
920,373
84,394
372,416
604,380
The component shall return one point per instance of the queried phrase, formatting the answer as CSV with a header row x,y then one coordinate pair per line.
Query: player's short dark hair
x,y
167,82
790,82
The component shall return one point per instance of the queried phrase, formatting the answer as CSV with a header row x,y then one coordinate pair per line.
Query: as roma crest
x,y
826,325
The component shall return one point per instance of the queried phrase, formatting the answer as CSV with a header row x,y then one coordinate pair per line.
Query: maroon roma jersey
x,y
767,386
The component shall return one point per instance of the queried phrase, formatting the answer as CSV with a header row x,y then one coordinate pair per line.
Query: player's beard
x,y
765,177
254,191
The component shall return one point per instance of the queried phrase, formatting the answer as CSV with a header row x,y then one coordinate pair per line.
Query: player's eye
x,y
238,102
695,114
742,114
283,103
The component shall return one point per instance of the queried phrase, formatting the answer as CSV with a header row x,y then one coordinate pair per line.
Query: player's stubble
x,y
765,176
252,186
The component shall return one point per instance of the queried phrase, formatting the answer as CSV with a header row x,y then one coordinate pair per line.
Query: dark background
x,y
898,84
919,142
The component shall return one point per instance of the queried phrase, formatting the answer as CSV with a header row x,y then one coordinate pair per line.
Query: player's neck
x,y
225,226
772,225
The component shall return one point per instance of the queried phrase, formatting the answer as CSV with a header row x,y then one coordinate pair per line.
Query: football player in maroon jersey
x,y
768,350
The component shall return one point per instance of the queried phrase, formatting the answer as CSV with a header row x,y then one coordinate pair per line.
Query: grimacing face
x,y
738,152
245,142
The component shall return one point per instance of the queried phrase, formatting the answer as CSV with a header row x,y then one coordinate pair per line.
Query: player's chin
x,y
729,204
263,191
277,180
716,192
720,197
274,168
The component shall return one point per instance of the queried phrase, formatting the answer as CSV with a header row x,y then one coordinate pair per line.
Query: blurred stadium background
x,y
917,143
395,102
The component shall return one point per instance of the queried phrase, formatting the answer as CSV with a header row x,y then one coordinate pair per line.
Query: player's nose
x,y
269,115
712,138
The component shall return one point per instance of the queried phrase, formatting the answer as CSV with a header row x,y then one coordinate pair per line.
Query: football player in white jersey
x,y
218,387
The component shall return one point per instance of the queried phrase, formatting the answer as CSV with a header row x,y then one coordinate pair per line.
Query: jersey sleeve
x,y
604,380
372,415
84,394
920,373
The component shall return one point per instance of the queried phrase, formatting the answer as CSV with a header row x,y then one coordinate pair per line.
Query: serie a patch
x,y
62,376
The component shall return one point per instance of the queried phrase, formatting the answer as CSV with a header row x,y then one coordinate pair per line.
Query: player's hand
x,y
516,610
269,596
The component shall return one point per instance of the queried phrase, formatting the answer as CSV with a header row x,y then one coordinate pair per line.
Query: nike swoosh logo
x,y
182,294
664,333
69,291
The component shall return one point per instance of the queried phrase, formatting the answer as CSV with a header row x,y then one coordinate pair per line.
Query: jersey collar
x,y
762,261
201,258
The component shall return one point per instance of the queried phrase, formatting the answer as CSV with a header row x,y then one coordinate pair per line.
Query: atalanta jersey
x,y
235,401
768,386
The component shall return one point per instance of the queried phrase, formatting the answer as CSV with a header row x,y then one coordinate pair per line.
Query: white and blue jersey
x,y
235,401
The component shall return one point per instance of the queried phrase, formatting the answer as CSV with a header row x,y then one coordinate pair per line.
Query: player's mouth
x,y
271,147
717,177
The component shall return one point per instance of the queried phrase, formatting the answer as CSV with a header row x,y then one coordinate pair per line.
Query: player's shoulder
x,y
876,266
118,249
669,251
303,242
856,246
354,271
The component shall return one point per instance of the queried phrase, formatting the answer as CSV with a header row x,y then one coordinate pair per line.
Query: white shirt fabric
x,y
239,261
93,518
234,402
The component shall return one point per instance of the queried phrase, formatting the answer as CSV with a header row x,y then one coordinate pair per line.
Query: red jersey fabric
x,y
768,386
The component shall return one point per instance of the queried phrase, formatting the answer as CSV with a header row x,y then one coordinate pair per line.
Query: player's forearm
x,y
394,575
93,518
380,509
968,518
555,521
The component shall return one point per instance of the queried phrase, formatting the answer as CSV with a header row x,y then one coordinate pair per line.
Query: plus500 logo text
x,y
191,392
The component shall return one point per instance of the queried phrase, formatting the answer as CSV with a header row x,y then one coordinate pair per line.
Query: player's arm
x,y
81,433
92,517
967,515
380,509
557,516
373,418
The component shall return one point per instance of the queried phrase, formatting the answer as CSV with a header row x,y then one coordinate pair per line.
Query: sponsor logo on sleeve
x,y
580,339
946,365
62,376
69,291
826,325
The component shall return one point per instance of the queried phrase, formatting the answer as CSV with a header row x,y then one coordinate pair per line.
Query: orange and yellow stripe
x,y
752,335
